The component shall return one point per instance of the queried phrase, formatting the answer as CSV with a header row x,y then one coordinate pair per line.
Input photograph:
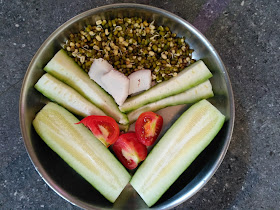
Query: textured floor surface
x,y
245,34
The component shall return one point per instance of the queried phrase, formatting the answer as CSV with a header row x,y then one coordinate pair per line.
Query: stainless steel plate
x,y
65,181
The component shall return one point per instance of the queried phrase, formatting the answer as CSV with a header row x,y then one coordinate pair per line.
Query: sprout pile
x,y
131,44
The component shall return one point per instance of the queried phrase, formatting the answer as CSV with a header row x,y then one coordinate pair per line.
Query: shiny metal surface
x,y
66,182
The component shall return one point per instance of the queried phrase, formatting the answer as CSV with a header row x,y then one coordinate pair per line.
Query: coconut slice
x,y
139,81
98,68
117,85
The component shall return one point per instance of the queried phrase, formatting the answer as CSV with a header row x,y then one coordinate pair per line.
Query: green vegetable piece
x,y
176,150
186,79
78,147
65,69
199,92
66,96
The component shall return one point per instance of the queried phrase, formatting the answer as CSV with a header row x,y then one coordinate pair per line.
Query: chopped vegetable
x,y
129,150
78,147
188,78
98,68
66,96
147,127
124,128
199,92
66,70
139,81
176,150
117,85
103,127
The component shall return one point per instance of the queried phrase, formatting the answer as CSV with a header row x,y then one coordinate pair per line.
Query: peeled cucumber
x,y
66,96
65,69
176,150
78,147
199,92
186,79
69,98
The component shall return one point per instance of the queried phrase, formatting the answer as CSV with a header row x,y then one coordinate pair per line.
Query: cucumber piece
x,y
176,150
199,92
68,71
66,96
69,98
186,79
78,147
124,128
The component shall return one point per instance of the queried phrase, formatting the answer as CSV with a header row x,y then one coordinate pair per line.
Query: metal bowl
x,y
63,179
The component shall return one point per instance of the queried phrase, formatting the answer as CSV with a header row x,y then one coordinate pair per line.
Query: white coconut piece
x,y
98,68
139,81
117,85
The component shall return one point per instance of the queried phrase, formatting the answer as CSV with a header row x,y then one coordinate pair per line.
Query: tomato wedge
x,y
129,150
103,127
147,127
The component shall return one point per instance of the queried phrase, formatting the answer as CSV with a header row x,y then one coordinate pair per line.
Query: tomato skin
x,y
104,128
129,150
147,127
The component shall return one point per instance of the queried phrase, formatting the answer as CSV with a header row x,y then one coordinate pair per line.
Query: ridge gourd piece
x,y
78,147
186,79
68,71
176,150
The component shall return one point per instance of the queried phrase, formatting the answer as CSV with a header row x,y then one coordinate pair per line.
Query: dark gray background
x,y
246,35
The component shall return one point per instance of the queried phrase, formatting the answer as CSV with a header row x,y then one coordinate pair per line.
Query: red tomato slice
x,y
147,127
129,150
103,127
